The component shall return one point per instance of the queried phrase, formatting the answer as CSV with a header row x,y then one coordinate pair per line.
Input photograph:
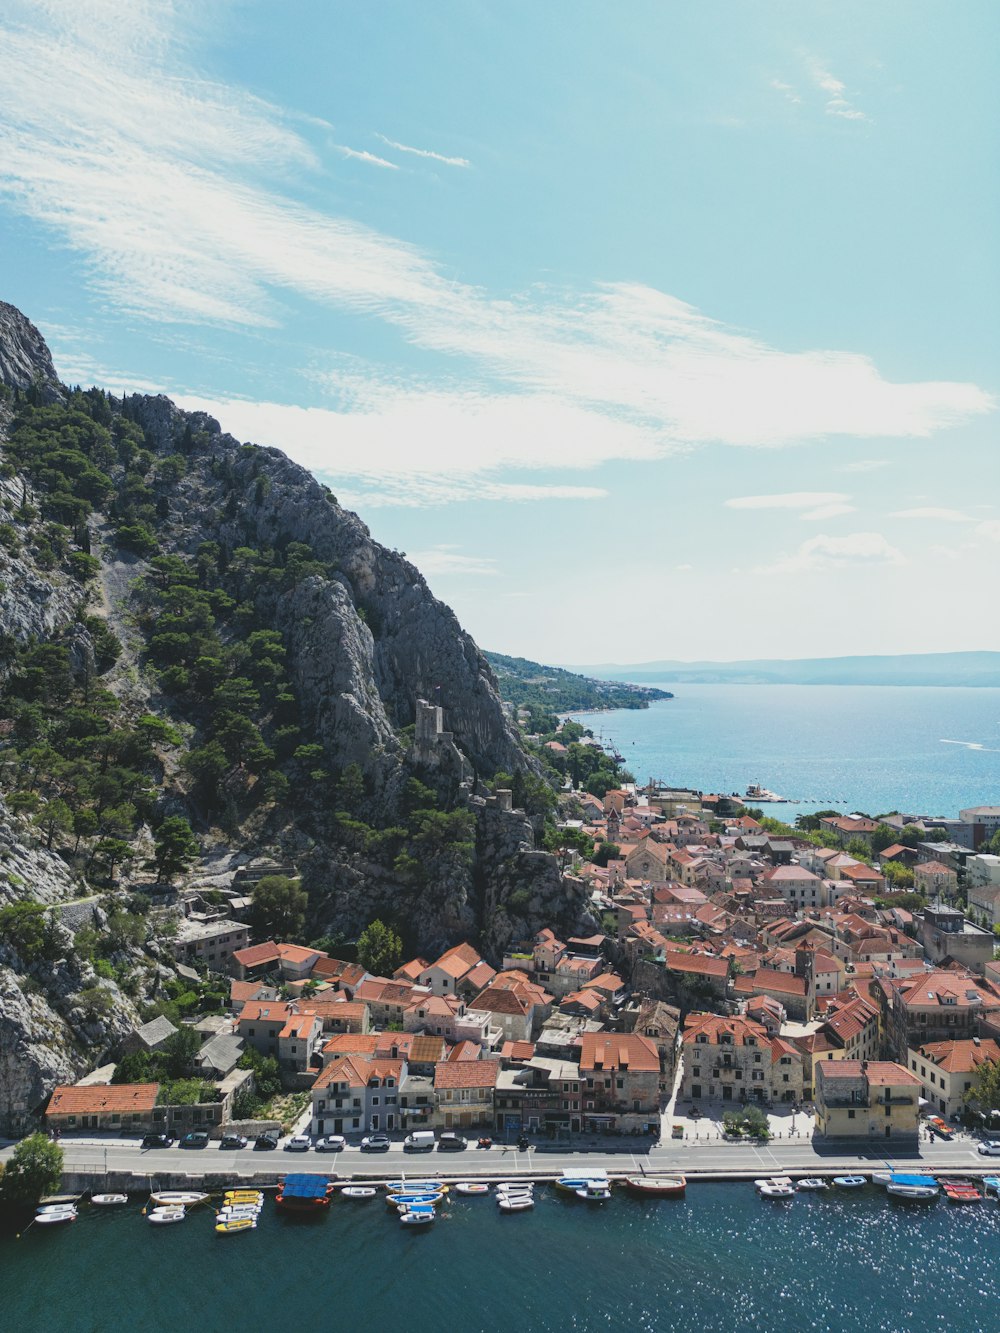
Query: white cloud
x,y
865,465
446,559
362,155
177,195
939,515
834,89
787,500
826,553
426,152
990,530
786,90
834,510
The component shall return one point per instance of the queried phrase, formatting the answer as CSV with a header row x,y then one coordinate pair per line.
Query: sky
x,y
648,331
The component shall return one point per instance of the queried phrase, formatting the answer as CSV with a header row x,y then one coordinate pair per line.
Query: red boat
x,y
657,1187
962,1191
304,1194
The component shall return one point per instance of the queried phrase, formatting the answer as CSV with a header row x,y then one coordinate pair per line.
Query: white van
x,y
421,1140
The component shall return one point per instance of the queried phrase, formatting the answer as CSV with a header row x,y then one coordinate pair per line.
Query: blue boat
x,y
411,1197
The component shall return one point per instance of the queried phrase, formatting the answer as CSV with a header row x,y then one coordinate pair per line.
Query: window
x,y
374,1101
850,1115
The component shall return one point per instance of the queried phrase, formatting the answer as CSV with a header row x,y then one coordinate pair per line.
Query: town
x,y
743,984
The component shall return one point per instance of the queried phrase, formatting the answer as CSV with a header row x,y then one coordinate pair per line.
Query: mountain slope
x,y
192,628
961,668
523,682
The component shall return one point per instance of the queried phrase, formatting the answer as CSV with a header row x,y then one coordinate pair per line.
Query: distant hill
x,y
972,669
523,682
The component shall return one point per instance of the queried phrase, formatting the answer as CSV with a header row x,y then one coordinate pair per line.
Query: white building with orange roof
x,y
444,976
354,1094
733,1059
948,1070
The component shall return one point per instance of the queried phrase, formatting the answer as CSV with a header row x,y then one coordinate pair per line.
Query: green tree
x,y
34,1169
176,847
607,851
380,950
179,1051
279,908
984,1094
54,817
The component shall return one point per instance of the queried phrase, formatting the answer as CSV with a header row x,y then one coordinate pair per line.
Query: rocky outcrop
x,y
27,871
25,359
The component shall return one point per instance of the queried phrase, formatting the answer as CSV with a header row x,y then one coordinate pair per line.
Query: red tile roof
x,y
618,1050
466,1073
116,1098
256,954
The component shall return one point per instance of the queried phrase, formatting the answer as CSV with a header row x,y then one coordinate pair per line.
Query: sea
x,y
720,1259
874,748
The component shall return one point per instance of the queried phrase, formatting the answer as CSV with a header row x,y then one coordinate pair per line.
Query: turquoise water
x,y
866,747
721,1259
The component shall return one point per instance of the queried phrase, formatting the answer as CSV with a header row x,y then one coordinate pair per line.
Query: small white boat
x,y
921,1193
161,1217
108,1200
53,1219
812,1183
516,1203
178,1198
44,1209
393,1186
850,1182
770,1191
594,1195
359,1192
472,1187
238,1212
412,1219
224,1226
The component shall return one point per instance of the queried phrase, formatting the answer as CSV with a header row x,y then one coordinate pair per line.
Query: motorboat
x,y
411,1219
812,1183
849,1182
44,1209
244,1194
239,1210
657,1187
991,1184
900,1190
177,1198
403,1197
108,1200
594,1194
393,1186
358,1192
516,1203
775,1180
472,1187
768,1190
523,1181
226,1225
53,1218
164,1216
570,1184
903,1185
514,1191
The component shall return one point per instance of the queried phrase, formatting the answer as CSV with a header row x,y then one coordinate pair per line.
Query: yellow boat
x,y
235,1224
244,1196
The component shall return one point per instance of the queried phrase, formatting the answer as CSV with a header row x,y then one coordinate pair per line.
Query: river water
x,y
721,1259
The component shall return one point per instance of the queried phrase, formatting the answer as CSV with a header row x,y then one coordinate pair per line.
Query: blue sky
x,y
659,330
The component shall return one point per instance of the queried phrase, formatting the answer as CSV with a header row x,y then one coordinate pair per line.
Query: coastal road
x,y
95,1155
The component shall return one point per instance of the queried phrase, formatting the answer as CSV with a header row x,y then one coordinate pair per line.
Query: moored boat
x,y
515,1203
657,1187
108,1200
472,1187
358,1192
304,1194
594,1194
415,1219
225,1226
849,1182
570,1184
52,1219
770,1190
177,1198
164,1216
393,1185
394,1200
811,1184
961,1191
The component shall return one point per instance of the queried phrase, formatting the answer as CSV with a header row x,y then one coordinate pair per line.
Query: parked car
x,y
421,1140
299,1143
265,1141
332,1143
939,1127
990,1148
231,1142
375,1143
198,1138
158,1141
452,1143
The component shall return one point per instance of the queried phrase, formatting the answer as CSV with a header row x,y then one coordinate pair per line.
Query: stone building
x,y
874,1099
734,1060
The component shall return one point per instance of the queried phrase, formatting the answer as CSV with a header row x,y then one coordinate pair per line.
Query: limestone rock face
x,y
24,356
27,871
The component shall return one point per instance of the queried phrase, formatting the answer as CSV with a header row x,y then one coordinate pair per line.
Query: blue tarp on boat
x,y
899,1178
305,1187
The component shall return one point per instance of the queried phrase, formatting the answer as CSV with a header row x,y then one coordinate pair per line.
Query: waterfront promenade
x,y
98,1157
